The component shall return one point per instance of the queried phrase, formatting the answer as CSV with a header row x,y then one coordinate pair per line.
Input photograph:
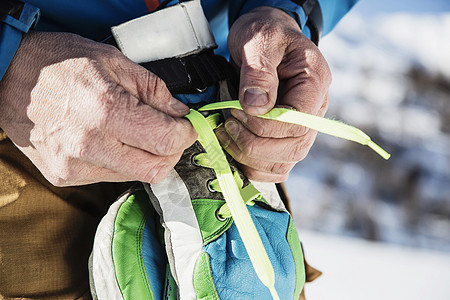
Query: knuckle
x,y
280,168
258,72
153,85
147,173
80,150
295,131
247,147
319,67
62,172
281,178
258,64
157,85
165,144
82,146
238,155
104,109
156,174
297,152
162,174
261,129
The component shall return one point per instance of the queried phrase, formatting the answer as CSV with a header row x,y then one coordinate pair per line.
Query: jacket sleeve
x,y
11,30
331,11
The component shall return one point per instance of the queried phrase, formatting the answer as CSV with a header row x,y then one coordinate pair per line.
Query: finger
x,y
280,150
105,175
262,176
306,96
133,163
269,128
276,129
74,172
259,164
305,81
259,79
148,88
96,174
143,166
144,127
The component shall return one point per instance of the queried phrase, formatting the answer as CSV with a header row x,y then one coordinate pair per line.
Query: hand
x,y
84,113
279,67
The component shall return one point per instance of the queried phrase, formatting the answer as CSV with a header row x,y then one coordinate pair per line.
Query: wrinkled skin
x,y
279,67
84,113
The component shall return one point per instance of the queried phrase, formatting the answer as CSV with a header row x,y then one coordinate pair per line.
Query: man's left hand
x,y
280,67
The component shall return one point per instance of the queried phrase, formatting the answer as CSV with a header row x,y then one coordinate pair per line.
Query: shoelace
x,y
248,193
231,187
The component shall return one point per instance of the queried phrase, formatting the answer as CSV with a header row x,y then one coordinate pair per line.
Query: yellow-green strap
x,y
248,194
233,198
324,125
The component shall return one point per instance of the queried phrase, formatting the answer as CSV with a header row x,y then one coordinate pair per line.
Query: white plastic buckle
x,y
176,31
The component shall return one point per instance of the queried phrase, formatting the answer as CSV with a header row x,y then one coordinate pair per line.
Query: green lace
x,y
324,125
248,193
230,184
231,192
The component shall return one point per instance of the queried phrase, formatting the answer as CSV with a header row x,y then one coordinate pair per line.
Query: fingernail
x,y
255,97
240,115
223,137
232,128
178,106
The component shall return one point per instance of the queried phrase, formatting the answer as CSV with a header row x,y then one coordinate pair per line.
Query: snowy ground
x,y
360,270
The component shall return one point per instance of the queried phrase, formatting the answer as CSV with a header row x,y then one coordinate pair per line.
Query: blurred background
x,y
381,229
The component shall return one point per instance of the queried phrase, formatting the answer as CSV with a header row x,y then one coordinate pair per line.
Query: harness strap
x,y
193,73
176,44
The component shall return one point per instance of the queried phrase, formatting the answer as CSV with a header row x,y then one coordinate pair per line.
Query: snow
x,y
356,269
432,49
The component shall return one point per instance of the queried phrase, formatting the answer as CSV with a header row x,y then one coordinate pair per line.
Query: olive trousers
x,y
46,233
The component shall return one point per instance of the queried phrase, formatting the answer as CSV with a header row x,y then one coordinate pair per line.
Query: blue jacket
x,y
93,18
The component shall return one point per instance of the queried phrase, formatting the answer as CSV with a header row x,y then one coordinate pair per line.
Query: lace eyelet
x,y
208,185
193,160
218,217
202,90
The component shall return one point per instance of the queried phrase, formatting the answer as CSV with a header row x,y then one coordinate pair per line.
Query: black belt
x,y
12,8
190,74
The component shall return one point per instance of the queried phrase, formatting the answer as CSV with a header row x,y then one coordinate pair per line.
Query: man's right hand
x,y
84,113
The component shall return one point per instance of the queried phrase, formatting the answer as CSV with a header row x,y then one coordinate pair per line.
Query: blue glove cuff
x,y
11,30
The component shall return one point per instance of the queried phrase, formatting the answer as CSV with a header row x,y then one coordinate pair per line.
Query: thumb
x,y
259,78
